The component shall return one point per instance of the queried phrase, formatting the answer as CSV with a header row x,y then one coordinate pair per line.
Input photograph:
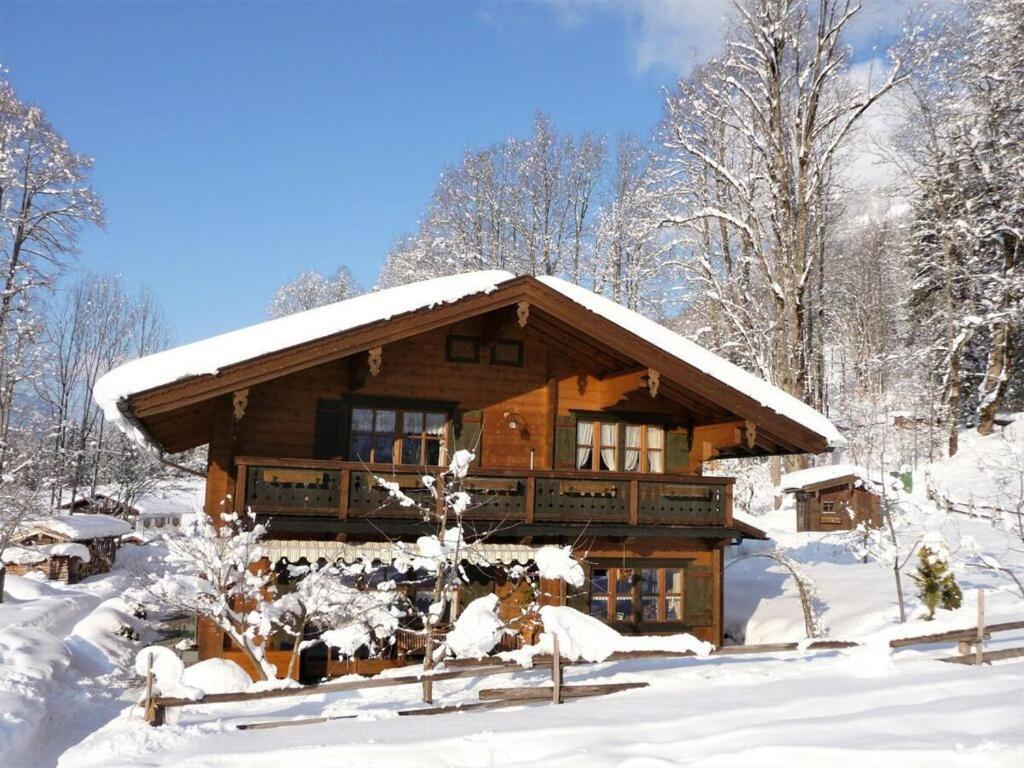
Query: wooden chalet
x,y
835,497
590,426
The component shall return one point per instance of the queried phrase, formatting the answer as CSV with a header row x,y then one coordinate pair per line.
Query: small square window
x,y
462,349
507,352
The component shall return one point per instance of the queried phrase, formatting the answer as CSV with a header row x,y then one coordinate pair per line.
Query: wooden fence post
x,y
979,648
556,671
147,704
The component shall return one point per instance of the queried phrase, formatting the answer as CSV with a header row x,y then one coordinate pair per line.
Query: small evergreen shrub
x,y
936,585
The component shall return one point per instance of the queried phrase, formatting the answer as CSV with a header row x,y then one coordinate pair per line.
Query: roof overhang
x,y
165,408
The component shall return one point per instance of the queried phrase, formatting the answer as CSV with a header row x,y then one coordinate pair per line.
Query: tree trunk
x,y
1000,355
428,647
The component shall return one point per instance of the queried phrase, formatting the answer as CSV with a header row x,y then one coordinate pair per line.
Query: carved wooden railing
x,y
349,490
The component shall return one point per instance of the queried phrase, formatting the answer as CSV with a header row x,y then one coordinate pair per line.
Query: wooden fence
x,y
155,707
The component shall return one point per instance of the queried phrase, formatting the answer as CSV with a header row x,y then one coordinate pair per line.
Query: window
x,y
598,446
373,435
507,352
828,507
462,349
390,435
422,433
659,594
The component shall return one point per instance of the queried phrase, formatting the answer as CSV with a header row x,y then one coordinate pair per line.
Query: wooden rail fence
x,y
155,707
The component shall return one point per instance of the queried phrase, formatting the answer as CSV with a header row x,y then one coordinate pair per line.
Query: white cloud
x,y
679,34
672,34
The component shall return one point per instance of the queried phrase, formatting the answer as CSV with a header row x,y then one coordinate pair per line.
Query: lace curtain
x,y
632,459
609,438
584,443
656,449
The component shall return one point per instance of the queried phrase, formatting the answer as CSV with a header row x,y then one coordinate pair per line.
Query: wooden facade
x,y
584,434
837,505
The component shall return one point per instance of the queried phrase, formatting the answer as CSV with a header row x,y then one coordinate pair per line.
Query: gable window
x,y
599,444
393,435
462,349
508,352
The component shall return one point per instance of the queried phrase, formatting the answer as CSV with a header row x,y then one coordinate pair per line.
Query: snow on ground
x,y
64,651
67,689
986,474
779,710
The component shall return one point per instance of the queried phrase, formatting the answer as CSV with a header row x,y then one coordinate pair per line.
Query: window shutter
x,y
698,597
332,428
565,441
469,434
579,597
677,452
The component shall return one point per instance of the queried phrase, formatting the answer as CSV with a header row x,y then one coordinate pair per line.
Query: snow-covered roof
x,y
794,481
209,356
18,555
693,354
78,527
15,555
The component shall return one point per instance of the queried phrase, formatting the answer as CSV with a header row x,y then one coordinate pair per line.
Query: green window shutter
x,y
698,596
565,441
468,434
579,597
332,428
677,452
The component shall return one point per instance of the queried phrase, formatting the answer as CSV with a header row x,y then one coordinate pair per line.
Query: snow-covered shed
x,y
590,426
66,547
834,497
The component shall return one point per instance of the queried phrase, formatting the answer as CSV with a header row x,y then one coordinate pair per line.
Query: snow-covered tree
x,y
441,553
753,141
45,201
215,572
525,205
17,504
339,614
962,151
312,289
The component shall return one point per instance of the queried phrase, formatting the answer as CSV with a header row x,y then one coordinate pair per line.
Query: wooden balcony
x,y
304,488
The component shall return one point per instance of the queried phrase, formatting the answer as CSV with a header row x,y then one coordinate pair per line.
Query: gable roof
x,y
827,476
81,527
204,369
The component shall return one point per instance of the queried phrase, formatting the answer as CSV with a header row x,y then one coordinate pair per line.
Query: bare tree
x,y
312,289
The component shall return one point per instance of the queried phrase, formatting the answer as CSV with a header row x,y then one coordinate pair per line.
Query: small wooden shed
x,y
66,547
835,497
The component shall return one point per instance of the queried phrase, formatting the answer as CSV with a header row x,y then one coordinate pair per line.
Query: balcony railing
x,y
304,487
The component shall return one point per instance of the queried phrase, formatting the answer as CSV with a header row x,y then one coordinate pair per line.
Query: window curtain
x,y
609,435
656,449
632,459
584,443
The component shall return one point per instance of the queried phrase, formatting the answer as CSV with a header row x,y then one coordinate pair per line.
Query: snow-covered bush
x,y
346,618
214,572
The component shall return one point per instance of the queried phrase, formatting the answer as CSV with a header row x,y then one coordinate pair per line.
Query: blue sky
x,y
237,144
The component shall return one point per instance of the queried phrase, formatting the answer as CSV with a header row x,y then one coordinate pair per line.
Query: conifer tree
x,y
936,585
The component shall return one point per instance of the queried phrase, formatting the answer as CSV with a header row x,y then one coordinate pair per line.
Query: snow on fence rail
x,y
155,707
